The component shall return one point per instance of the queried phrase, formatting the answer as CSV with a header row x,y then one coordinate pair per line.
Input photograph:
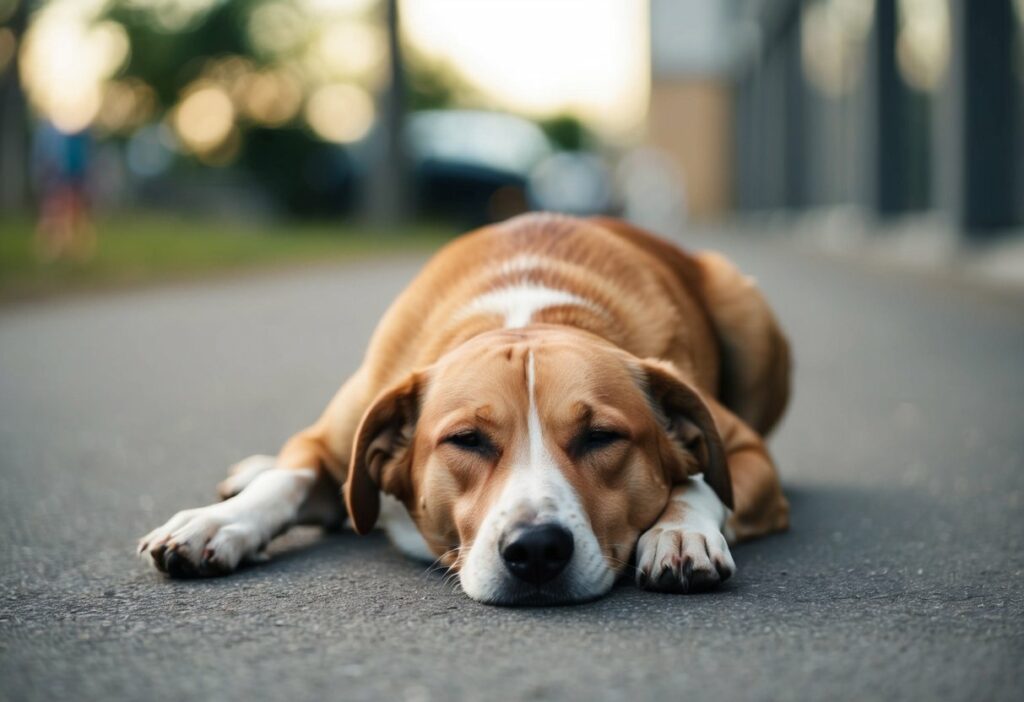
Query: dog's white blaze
x,y
518,303
519,299
525,263
536,489
538,453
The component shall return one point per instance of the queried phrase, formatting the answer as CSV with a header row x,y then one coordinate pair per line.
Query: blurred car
x,y
473,165
574,182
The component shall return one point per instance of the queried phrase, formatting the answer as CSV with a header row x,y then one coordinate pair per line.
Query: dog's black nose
x,y
537,553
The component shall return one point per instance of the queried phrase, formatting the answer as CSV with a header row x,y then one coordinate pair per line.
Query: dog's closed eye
x,y
592,440
471,440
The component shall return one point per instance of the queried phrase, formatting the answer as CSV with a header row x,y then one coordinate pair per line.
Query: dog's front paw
x,y
682,559
202,542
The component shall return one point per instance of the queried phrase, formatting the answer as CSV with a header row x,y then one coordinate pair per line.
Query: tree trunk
x,y
387,191
14,136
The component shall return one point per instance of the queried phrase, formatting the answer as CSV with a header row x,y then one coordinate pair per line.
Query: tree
x,y
14,136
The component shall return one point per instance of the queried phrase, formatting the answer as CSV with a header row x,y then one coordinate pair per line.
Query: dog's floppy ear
x,y
382,452
696,444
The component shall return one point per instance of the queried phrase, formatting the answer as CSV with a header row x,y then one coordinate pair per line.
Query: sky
x,y
544,57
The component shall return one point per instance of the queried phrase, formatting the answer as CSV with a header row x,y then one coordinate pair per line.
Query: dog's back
x,y
754,380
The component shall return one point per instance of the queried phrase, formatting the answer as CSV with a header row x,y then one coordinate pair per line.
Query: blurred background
x,y
142,137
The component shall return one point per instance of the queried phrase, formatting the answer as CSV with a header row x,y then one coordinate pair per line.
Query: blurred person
x,y
61,168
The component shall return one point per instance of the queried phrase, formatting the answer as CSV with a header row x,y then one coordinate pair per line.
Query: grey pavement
x,y
903,455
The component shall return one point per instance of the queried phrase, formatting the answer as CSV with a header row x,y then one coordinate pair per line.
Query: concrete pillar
x,y
388,190
888,109
991,118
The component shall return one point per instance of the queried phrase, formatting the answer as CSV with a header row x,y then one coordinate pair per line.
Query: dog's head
x,y
531,460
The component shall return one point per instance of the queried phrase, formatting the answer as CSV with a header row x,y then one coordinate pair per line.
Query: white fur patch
x,y
703,511
402,530
521,299
689,552
518,303
522,265
221,535
536,490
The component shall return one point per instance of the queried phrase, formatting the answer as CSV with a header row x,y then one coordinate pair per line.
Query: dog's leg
x,y
755,353
687,549
264,496
759,507
215,539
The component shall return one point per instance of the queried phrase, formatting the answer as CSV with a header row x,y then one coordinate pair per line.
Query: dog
x,y
552,404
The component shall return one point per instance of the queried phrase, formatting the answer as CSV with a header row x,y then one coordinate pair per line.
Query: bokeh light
x,y
340,112
173,16
65,58
228,70
833,35
271,98
350,49
204,119
127,105
276,28
923,42
338,7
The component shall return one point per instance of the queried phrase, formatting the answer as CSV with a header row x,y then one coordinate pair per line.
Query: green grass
x,y
140,248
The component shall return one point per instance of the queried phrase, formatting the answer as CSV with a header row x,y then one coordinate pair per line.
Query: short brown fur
x,y
691,321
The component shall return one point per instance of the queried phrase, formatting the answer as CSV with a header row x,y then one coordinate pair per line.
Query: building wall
x,y
690,120
835,113
691,106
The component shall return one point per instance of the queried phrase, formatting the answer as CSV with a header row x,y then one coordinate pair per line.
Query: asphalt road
x,y
903,455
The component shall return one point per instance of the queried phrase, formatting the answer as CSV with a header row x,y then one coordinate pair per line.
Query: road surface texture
x,y
902,454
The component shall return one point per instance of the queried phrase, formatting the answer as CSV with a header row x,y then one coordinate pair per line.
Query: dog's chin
x,y
509,592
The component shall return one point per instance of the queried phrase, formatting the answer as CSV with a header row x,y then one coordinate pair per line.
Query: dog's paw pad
x,y
683,560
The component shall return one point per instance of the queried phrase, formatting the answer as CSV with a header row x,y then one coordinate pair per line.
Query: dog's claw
x,y
157,554
178,566
673,560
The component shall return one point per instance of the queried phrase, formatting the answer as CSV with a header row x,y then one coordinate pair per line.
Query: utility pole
x,y
14,136
891,170
991,121
388,188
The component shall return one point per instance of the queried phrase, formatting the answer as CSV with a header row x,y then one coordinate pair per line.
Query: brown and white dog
x,y
550,398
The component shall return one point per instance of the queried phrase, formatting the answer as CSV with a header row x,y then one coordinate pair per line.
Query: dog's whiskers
x,y
609,547
451,573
